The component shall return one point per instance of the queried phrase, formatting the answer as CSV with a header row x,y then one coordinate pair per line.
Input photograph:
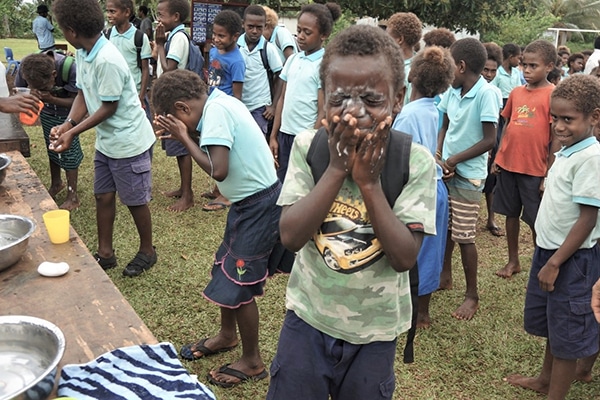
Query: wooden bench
x,y
12,134
85,304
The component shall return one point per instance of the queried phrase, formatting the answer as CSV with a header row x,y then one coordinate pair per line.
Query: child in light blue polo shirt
x,y
256,92
300,106
468,132
279,35
233,152
122,35
124,136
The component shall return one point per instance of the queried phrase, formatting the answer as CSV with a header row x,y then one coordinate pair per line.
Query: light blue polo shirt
x,y
282,39
507,82
179,49
125,42
466,115
43,30
572,180
103,75
256,91
301,74
227,122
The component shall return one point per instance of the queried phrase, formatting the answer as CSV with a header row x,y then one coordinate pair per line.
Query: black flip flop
x,y
187,351
225,369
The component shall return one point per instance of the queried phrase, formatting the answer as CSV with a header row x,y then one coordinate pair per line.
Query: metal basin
x,y
15,231
4,163
30,350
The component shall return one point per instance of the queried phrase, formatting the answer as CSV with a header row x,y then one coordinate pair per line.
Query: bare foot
x,y
56,189
509,270
445,283
467,309
528,383
70,204
251,370
207,347
423,321
173,193
182,204
585,377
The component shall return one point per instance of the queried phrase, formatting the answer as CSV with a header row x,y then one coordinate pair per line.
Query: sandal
x,y
227,370
106,262
215,206
495,230
208,195
140,263
188,350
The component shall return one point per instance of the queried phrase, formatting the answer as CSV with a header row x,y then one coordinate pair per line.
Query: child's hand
x,y
596,300
547,276
343,140
22,102
170,127
494,169
160,37
60,139
370,157
274,146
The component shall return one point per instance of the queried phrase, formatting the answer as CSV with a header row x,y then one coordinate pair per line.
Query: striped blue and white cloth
x,y
148,372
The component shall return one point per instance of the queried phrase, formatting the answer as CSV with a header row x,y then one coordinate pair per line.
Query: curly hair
x,y
472,52
544,49
37,69
439,37
178,6
494,52
173,86
574,57
326,15
405,25
509,50
272,17
124,5
254,9
582,91
230,20
365,41
554,75
85,17
432,71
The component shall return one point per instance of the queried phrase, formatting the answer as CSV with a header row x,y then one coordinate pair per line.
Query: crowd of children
x,y
362,172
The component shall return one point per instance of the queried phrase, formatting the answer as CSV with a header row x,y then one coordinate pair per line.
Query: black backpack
x,y
265,62
394,177
195,59
138,40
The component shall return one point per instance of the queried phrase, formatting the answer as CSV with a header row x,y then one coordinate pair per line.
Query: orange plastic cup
x,y
27,119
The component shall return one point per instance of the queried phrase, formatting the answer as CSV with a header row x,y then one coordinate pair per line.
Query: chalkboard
x,y
203,16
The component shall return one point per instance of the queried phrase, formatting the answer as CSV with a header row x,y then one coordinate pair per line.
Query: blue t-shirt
x,y
227,122
466,116
224,69
103,75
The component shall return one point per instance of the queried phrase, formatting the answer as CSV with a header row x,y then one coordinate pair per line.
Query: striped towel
x,y
145,372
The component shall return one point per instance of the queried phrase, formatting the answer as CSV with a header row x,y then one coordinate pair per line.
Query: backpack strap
x,y
265,62
66,68
138,41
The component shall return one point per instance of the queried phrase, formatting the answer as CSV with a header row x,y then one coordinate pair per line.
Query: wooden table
x,y
12,134
85,304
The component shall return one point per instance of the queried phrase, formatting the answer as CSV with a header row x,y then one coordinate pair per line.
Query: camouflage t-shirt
x,y
341,282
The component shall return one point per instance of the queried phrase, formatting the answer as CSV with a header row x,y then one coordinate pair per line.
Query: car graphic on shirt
x,y
346,246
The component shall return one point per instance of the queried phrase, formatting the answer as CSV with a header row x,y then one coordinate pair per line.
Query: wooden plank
x,y
12,135
84,303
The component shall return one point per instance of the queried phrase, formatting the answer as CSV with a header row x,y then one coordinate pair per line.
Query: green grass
x,y
23,47
454,359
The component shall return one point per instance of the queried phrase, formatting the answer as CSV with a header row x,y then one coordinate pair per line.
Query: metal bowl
x,y
30,350
14,238
4,163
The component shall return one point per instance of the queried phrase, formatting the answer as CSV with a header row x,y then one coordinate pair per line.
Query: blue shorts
x,y
516,193
310,365
285,148
565,315
174,148
241,263
130,177
261,121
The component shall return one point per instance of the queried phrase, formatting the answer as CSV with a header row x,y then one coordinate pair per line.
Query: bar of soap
x,y
52,269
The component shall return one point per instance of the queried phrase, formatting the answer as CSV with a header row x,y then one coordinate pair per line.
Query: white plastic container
x,y
3,84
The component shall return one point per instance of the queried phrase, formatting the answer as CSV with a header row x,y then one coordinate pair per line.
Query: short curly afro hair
x,y
326,15
173,86
230,20
365,41
85,17
472,52
494,52
432,71
406,25
37,69
178,6
582,91
544,49
441,37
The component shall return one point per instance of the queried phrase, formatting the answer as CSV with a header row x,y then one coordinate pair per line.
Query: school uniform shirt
x,y
592,62
507,82
467,115
371,303
179,50
224,69
282,39
227,122
572,181
256,91
42,28
301,74
125,42
103,75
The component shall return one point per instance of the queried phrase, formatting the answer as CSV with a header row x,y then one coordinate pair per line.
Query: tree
x,y
520,28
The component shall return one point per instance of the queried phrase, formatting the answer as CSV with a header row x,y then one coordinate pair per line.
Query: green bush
x,y
520,28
